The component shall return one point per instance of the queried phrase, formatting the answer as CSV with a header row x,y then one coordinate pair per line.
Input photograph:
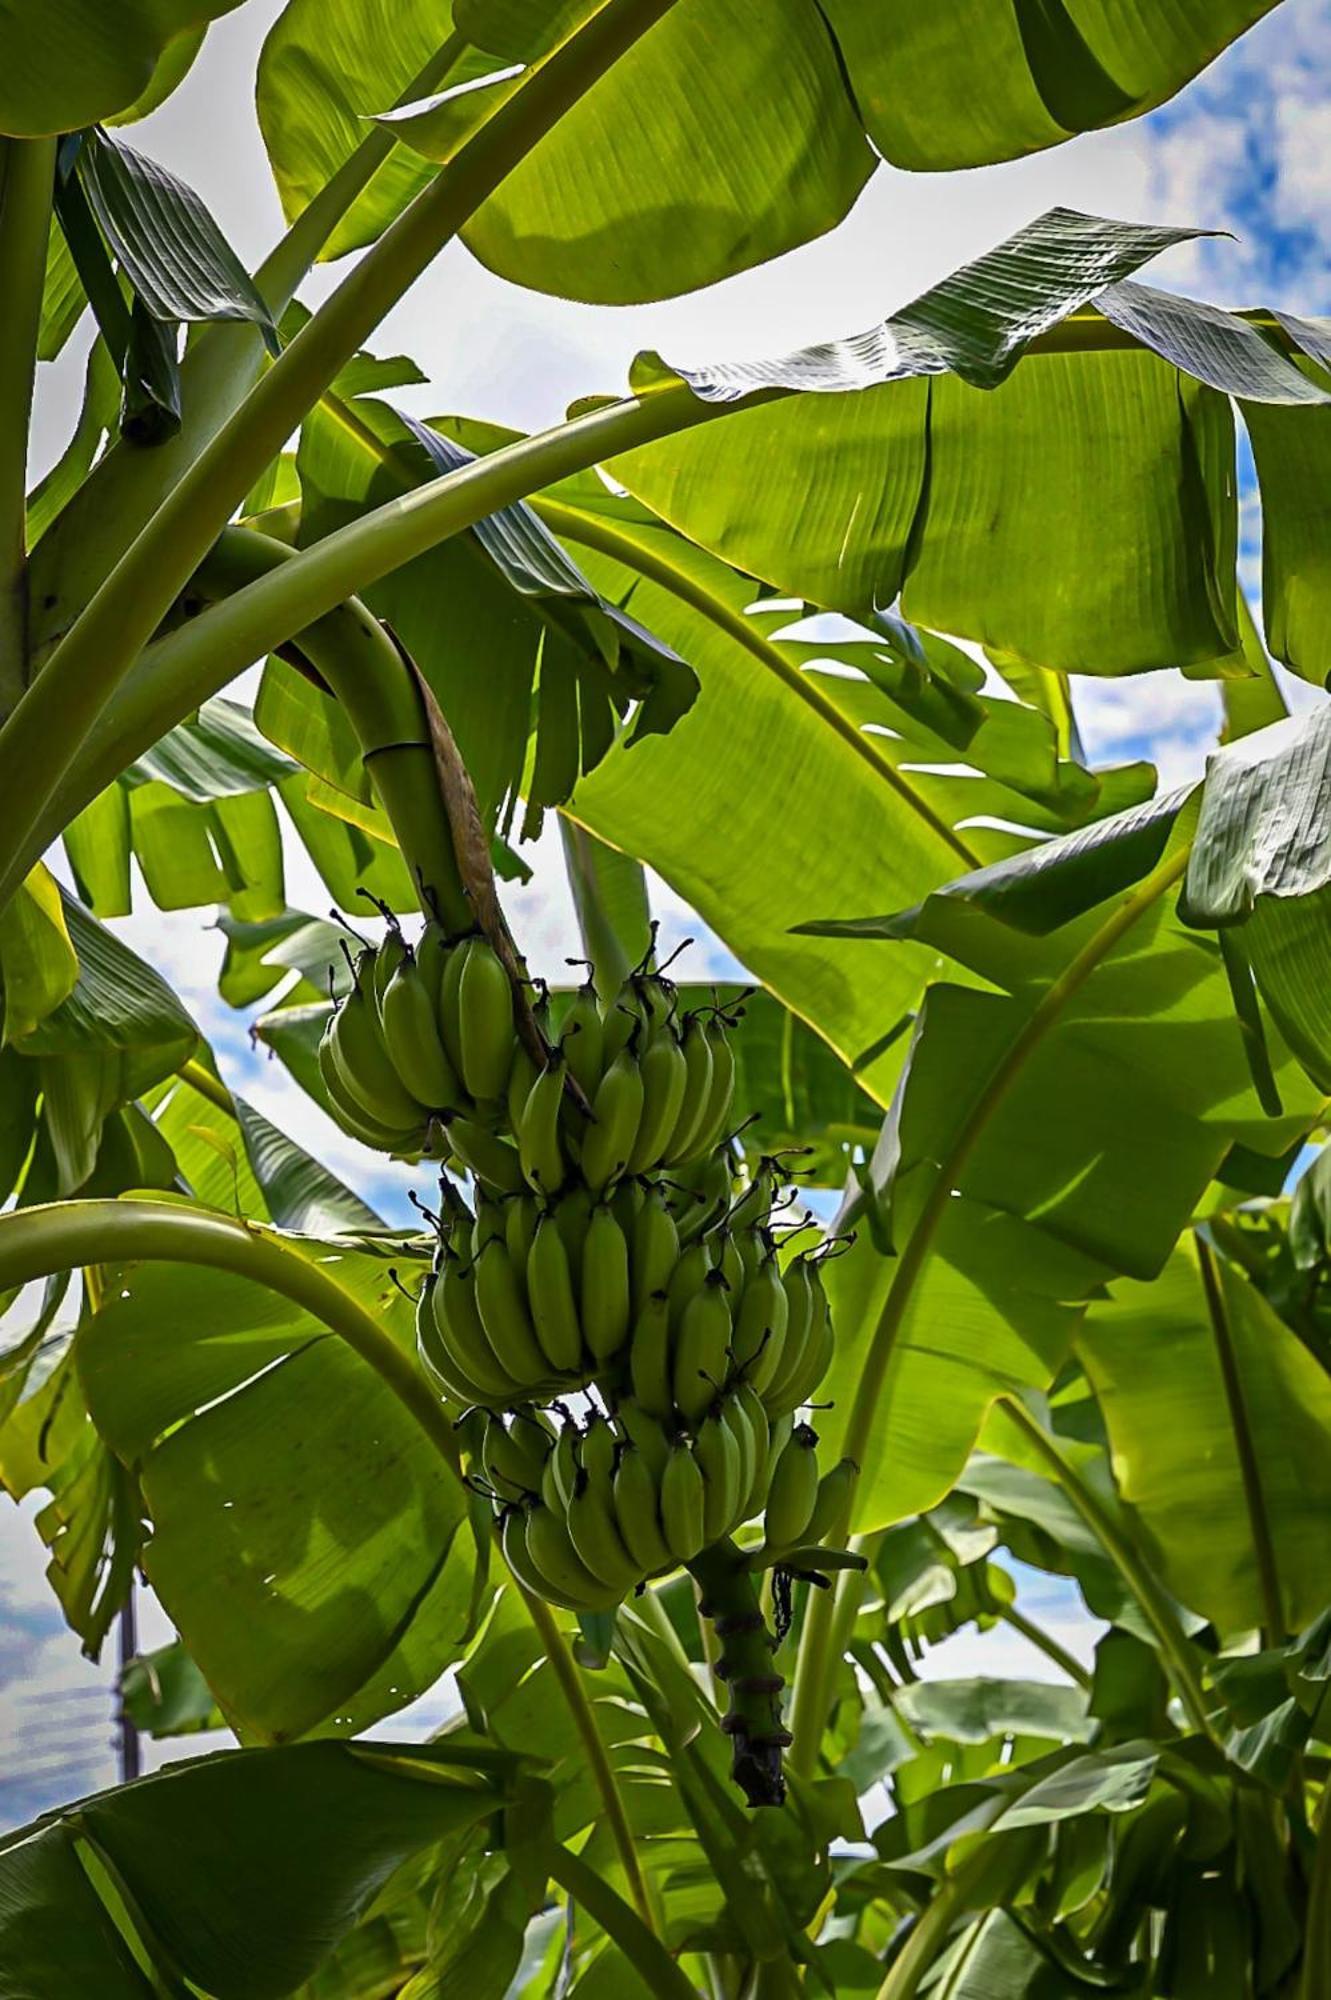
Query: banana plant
x,y
639,1425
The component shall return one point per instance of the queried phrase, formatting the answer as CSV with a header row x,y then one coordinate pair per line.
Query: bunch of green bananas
x,y
589,1513
422,1045
657,1094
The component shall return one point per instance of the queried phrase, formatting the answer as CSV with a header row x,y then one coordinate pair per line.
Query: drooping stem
x,y
1153,1601
220,366
35,1242
25,222
1254,1494
728,1598
640,1946
301,587
372,681
53,719
818,1655
565,1670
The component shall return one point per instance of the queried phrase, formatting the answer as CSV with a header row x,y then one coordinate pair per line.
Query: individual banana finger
x,y
412,1038
366,1068
501,1298
550,1547
458,1319
831,1509
485,1022
664,1076
513,1542
594,1530
487,1156
554,1308
649,1358
683,1504
793,1490
616,1111
583,1040
697,1053
637,1512
716,1449
604,1290
540,1153
702,1348
655,1247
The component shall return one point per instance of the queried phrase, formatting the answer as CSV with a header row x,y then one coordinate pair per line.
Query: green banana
x,y
573,1214
392,952
625,1204
462,1334
616,1110
727,1260
583,1040
521,1217
514,1460
594,1530
702,1341
819,1348
760,1325
596,1453
550,1547
539,1151
486,1155
564,1463
352,1117
431,960
664,1076
366,1068
501,1297
737,1417
604,1290
754,1205
716,1117
798,1287
683,1504
711,1200
831,1509
649,1358
554,1309
638,1515
655,1247
491,1221
515,1541
697,1053
450,1007
437,1358
645,1433
520,1080
411,1036
620,1019
485,1022
747,1398
716,1449
793,1490
690,1274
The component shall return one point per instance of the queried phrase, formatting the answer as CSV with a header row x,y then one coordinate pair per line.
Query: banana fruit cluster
x,y
424,1038
530,1299
589,1513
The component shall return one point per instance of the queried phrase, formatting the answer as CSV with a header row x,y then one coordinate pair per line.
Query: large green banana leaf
x,y
65,64
238,1873
1031,1099
305,1532
734,130
1219,1422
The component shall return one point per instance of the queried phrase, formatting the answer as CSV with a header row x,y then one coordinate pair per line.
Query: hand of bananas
x,y
425,1036
589,1513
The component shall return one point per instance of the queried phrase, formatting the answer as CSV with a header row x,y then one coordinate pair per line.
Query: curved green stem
x,y
817,1662
61,1236
1155,1605
565,1670
53,719
299,588
200,1078
25,225
1316,1981
1044,1642
220,366
643,1950
376,688
1245,1447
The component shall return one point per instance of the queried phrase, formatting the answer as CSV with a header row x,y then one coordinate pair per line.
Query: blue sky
x,y
1246,149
